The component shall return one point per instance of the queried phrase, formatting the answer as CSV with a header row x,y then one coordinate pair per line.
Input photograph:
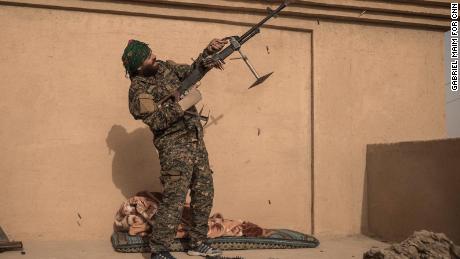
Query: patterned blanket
x,y
278,239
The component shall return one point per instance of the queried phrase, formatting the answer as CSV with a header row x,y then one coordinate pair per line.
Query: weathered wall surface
x,y
71,146
372,85
413,186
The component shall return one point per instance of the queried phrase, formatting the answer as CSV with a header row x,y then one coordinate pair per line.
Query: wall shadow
x,y
413,186
135,165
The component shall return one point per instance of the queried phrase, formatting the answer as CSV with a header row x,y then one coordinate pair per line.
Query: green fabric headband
x,y
136,52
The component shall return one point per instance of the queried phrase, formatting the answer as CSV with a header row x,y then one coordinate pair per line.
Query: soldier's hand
x,y
216,45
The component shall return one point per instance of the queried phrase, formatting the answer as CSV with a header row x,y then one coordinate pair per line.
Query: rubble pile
x,y
421,245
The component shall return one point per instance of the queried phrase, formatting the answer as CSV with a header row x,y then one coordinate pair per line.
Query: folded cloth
x,y
252,230
134,216
218,226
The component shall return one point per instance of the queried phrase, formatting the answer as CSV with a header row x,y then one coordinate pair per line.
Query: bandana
x,y
136,52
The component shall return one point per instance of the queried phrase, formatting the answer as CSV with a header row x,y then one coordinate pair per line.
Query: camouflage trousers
x,y
183,167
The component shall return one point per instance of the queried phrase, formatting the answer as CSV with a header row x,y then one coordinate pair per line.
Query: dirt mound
x,y
421,245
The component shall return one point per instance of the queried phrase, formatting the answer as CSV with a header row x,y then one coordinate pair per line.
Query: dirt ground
x,y
330,248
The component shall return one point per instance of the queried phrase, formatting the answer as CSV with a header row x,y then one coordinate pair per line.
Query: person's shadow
x,y
135,165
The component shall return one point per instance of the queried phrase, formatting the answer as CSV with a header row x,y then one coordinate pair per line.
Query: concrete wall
x,y
372,85
413,186
71,146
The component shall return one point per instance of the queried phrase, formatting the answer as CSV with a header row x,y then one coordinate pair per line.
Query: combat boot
x,y
204,250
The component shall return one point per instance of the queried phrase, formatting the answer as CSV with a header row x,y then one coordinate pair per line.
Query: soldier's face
x,y
150,66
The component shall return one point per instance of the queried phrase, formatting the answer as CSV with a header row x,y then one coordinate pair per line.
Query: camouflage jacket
x,y
169,124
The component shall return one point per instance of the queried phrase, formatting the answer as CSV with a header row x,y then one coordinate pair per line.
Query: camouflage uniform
x,y
178,137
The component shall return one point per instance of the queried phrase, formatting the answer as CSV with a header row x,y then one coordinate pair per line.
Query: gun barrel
x,y
200,72
250,33
254,32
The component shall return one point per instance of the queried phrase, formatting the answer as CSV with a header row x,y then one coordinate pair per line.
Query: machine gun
x,y
235,45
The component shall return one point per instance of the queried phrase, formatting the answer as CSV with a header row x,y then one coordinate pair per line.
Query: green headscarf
x,y
136,52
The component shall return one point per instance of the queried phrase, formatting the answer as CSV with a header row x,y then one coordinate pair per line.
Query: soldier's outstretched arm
x,y
182,70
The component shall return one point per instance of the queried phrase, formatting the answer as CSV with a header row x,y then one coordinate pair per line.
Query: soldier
x,y
178,137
